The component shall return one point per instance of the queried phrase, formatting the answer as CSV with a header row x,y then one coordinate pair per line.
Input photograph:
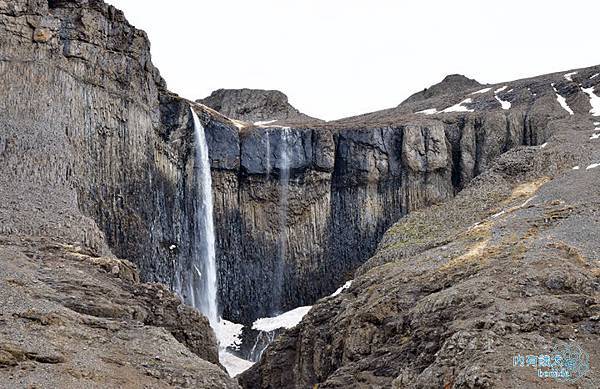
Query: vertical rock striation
x,y
347,186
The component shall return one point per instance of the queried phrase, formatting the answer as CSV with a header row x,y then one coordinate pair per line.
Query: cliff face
x,y
93,161
298,228
350,180
96,154
78,71
507,267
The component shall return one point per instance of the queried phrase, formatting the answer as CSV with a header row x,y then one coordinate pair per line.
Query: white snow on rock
x,y
594,76
265,122
460,107
482,91
595,136
172,247
562,101
596,123
594,101
286,320
592,166
569,76
576,167
341,288
228,333
505,104
544,145
233,364
430,111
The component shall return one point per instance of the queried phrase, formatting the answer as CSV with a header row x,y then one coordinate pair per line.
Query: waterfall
x,y
262,341
284,178
197,281
268,154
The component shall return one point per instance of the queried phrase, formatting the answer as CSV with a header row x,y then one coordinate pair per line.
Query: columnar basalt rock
x,y
95,155
346,187
493,271
96,152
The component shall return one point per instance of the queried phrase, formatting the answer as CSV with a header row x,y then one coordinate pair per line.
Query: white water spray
x,y
268,154
202,283
284,178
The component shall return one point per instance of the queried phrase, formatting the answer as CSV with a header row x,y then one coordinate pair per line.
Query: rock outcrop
x,y
450,85
509,266
255,105
72,319
93,162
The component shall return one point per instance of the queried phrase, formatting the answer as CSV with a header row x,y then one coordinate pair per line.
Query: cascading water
x,y
207,301
284,178
196,281
268,153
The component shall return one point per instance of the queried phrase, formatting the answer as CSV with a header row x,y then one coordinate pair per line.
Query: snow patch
x,y
460,107
505,104
544,145
594,101
596,123
576,167
569,76
172,247
592,166
228,334
286,320
233,364
341,288
482,91
595,136
264,122
430,111
562,101
594,76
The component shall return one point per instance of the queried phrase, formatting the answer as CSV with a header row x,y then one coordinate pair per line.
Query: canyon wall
x,y
126,153
346,186
94,162
123,142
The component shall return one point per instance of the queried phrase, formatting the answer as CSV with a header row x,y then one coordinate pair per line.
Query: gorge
x,y
405,229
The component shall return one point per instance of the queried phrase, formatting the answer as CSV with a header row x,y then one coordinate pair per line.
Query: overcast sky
x,y
336,58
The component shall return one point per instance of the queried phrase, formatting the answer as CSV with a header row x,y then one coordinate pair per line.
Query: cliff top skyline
x,y
360,57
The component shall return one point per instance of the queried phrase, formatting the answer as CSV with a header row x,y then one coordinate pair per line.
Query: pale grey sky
x,y
336,58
